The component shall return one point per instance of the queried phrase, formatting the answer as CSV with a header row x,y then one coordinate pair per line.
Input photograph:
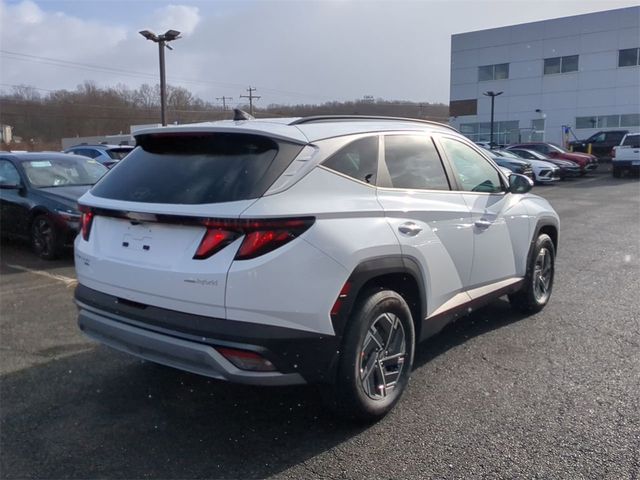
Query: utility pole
x,y
251,96
224,104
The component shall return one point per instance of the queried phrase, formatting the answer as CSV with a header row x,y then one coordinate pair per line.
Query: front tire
x,y
377,357
45,238
538,283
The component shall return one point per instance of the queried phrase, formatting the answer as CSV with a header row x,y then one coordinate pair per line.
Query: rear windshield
x,y
632,141
195,168
118,153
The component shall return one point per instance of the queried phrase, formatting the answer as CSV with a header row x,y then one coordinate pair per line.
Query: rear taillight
x,y
213,241
260,236
86,221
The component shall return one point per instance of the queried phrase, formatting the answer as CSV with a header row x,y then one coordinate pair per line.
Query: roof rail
x,y
347,118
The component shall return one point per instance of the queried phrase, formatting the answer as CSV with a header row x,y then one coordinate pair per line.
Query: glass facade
x,y
503,132
609,121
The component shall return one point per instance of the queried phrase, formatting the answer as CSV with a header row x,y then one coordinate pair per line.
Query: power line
x,y
224,99
251,96
135,74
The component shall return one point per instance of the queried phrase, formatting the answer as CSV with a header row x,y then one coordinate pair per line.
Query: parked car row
x,y
543,162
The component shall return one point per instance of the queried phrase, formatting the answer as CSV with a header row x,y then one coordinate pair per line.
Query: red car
x,y
586,162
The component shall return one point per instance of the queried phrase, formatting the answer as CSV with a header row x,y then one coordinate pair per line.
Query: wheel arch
x,y
547,226
394,272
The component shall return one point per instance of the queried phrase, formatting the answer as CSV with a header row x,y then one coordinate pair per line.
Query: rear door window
x,y
197,168
632,141
413,162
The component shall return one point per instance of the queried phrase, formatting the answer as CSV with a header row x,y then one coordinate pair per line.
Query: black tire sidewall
x,y
55,247
543,241
352,395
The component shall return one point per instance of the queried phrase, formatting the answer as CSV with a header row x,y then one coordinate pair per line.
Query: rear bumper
x,y
187,341
632,164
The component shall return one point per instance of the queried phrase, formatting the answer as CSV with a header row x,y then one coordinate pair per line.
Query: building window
x,y
460,108
605,121
586,122
629,57
493,72
561,65
609,121
503,132
630,120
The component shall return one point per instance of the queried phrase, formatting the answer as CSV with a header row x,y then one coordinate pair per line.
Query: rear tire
x,y
376,358
617,172
45,238
538,283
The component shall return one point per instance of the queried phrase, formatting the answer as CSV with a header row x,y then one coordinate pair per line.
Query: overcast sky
x,y
292,51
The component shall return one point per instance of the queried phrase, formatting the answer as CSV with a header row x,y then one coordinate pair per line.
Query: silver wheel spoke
x,y
542,272
382,356
382,387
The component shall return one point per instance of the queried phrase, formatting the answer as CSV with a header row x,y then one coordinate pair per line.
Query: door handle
x,y
482,224
409,229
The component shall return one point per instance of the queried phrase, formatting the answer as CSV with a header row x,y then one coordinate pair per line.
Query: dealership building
x,y
558,78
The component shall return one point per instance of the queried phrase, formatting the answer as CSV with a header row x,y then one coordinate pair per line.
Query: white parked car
x,y
543,172
626,156
309,250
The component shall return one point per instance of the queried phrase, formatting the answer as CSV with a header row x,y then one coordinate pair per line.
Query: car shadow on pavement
x,y
104,414
18,252
496,315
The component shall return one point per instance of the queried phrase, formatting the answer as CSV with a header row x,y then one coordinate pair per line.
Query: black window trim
x,y
384,177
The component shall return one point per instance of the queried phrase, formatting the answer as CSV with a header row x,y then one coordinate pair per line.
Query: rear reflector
x,y
337,306
246,360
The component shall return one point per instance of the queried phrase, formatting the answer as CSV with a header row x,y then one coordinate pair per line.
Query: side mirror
x,y
519,183
10,186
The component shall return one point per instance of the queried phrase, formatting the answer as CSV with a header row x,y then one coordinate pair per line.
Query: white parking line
x,y
68,281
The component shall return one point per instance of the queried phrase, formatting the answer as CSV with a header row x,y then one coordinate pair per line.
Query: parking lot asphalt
x,y
495,395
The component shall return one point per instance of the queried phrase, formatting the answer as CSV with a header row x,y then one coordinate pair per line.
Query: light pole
x,y
162,41
493,96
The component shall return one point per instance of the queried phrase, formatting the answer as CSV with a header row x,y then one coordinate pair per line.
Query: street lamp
x,y
493,96
162,41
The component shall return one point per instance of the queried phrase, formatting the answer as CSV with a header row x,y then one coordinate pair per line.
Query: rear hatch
x,y
162,227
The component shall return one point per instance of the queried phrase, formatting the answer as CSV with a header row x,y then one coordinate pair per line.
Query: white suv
x,y
309,250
